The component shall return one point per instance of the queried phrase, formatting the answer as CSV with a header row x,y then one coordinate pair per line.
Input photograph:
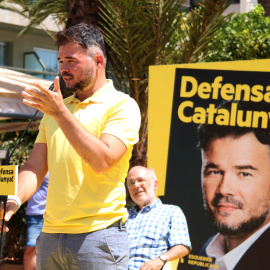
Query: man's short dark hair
x,y
208,132
83,34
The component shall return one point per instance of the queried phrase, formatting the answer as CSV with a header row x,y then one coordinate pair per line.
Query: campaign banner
x,y
8,179
193,112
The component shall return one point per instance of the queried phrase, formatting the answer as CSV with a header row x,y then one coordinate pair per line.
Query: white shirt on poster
x,y
229,260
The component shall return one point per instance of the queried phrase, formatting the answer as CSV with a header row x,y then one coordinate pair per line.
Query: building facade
x,y
34,52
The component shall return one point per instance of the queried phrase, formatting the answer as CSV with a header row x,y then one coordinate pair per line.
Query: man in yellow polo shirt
x,y
85,141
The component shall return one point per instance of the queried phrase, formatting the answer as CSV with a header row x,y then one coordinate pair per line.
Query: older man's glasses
x,y
140,181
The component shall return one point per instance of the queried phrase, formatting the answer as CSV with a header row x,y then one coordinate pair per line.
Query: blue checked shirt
x,y
154,230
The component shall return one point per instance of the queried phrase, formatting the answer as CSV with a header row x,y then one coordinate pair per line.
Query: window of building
x,y
33,63
3,54
49,59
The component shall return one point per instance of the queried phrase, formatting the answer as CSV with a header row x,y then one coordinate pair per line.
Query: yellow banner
x,y
188,104
8,179
162,87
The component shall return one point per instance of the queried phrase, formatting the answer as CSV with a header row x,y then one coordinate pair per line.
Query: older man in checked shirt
x,y
158,232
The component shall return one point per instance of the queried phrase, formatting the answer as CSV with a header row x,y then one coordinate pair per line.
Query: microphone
x,y
51,87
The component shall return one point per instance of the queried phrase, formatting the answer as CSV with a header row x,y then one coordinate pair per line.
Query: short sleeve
x,y
179,230
123,121
41,138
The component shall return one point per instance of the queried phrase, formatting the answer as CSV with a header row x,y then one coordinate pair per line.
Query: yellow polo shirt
x,y
78,199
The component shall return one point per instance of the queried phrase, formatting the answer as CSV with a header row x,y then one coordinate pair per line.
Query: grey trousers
x,y
106,249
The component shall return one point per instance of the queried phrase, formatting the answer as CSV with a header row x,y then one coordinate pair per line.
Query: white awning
x,y
12,83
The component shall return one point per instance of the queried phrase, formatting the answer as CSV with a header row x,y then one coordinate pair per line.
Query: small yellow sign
x,y
8,179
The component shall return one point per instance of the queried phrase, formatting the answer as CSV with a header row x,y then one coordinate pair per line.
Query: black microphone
x,y
51,87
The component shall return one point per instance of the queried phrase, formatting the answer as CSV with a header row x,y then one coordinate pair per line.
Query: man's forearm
x,y
27,186
100,154
173,253
176,252
33,172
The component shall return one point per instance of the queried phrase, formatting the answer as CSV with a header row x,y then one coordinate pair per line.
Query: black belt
x,y
117,223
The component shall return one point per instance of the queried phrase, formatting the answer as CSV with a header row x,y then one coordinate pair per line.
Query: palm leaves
x,y
37,12
201,25
137,33
150,32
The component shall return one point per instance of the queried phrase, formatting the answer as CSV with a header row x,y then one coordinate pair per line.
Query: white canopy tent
x,y
12,83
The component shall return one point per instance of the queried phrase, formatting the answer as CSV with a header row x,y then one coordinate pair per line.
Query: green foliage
x,y
20,154
198,29
23,150
245,36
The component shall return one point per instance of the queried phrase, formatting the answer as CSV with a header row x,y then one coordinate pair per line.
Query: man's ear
x,y
155,185
99,59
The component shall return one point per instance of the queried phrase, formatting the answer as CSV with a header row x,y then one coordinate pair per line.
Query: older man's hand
x,y
155,264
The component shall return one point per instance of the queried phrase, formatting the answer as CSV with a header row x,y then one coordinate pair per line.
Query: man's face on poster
x,y
236,184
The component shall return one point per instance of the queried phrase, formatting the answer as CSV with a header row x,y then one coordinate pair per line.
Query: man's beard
x,y
80,85
242,228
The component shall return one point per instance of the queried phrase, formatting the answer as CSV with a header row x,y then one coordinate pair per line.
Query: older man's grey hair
x,y
153,174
